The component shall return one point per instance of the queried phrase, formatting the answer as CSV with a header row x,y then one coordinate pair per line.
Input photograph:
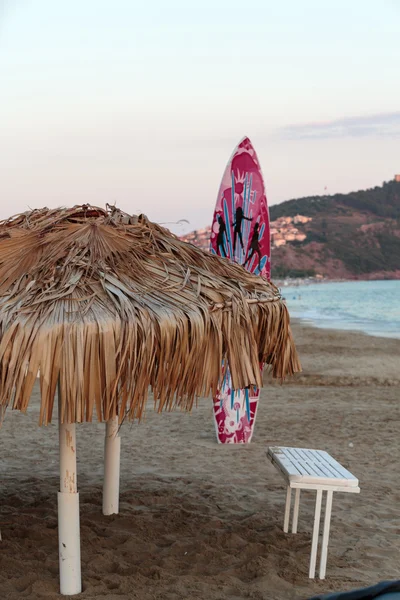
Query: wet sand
x,y
201,520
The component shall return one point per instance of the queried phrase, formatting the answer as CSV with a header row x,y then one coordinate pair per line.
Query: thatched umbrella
x,y
105,306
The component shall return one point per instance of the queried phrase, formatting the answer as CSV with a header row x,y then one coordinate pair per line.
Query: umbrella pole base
x,y
112,454
69,543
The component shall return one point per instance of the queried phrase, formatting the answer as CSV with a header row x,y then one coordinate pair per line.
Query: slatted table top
x,y
303,465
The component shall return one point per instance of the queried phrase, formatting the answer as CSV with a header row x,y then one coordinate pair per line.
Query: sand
x,y
201,520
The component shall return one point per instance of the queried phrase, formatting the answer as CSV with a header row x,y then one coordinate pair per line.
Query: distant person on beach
x,y
254,246
220,236
239,216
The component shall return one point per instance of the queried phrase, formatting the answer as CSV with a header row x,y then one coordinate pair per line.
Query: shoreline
x,y
305,322
298,281
203,520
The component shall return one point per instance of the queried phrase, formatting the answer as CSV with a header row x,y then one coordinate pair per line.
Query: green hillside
x,y
354,235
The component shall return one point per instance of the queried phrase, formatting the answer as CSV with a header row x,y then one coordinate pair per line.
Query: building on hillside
x,y
283,221
199,238
300,237
301,219
277,240
397,178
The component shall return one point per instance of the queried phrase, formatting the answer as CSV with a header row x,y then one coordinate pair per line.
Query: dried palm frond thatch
x,y
111,304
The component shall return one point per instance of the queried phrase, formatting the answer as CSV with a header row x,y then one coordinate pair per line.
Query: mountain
x,y
343,236
350,236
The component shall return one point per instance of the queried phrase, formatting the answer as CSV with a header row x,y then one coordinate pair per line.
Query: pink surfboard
x,y
240,232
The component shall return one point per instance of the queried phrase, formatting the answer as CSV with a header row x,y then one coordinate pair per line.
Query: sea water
x,y
372,307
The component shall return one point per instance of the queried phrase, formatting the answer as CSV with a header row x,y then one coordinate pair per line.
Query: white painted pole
x,y
287,509
325,536
296,510
112,453
68,511
315,536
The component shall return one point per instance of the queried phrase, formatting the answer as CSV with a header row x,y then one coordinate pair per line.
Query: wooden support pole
x,y
112,457
287,509
296,510
68,511
325,535
315,536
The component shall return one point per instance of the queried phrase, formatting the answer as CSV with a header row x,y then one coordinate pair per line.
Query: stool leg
x,y
325,536
287,509
296,510
314,546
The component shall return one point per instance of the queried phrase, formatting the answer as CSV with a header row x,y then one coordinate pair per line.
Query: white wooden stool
x,y
305,469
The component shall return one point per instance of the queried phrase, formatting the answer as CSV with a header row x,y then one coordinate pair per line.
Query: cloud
x,y
381,125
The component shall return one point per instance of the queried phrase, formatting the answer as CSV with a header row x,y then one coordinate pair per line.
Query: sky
x,y
142,103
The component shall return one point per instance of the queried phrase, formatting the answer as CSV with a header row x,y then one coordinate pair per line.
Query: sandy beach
x,y
201,520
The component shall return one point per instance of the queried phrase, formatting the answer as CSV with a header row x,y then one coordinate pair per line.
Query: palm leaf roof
x,y
110,305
